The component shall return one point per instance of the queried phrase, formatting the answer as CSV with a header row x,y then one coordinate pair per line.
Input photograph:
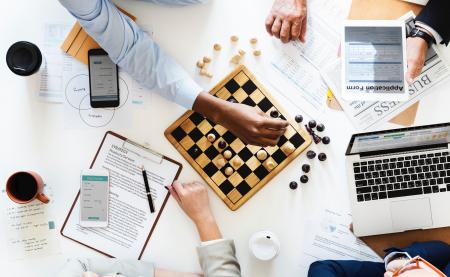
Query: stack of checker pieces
x,y
189,136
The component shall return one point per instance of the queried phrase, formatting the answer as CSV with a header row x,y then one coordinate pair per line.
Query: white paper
x,y
53,62
296,66
130,220
328,237
29,229
366,115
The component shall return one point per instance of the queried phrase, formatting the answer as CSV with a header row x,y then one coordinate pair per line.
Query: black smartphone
x,y
103,80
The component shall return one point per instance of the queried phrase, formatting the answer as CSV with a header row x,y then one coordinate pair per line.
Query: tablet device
x,y
374,60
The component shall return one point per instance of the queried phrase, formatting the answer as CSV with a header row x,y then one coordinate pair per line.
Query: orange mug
x,y
24,186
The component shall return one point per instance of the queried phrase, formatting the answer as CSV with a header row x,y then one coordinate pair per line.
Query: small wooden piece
x,y
217,47
270,165
222,144
234,38
211,137
203,72
236,162
206,59
228,171
288,148
261,155
209,74
253,41
257,53
241,52
221,162
200,64
236,59
227,154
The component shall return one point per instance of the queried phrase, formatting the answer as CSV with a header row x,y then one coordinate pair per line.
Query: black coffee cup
x,y
24,58
24,186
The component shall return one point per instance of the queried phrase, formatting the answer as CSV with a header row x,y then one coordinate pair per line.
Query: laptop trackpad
x,y
411,214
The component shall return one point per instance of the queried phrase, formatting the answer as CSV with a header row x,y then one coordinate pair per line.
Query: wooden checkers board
x,y
189,136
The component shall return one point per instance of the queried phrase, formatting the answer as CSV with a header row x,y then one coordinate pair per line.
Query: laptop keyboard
x,y
402,176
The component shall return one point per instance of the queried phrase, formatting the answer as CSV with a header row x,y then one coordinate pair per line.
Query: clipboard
x,y
157,158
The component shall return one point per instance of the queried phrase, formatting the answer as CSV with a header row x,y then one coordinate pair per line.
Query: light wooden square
x,y
290,132
202,160
271,149
204,127
236,158
240,95
223,93
241,78
253,148
234,195
253,163
270,159
188,126
235,179
237,145
218,178
220,129
252,179
203,144
257,96
216,159
187,142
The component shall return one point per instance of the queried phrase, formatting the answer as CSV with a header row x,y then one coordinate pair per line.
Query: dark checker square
x,y
249,87
261,172
232,99
244,171
211,122
296,140
265,105
245,154
249,102
282,117
211,152
210,169
228,137
196,118
195,135
232,86
281,141
226,187
278,156
178,133
243,188
194,152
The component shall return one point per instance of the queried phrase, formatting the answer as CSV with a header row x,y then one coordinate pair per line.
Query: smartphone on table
x,y
103,80
94,198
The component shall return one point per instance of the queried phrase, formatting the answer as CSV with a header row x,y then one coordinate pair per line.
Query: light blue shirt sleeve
x,y
133,50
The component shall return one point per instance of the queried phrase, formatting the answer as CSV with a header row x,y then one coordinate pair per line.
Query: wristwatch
x,y
418,33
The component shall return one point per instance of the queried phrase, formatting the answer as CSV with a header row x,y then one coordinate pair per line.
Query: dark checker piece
x,y
293,185
210,169
232,86
304,179
320,127
326,140
222,144
306,168
274,113
249,87
311,154
243,188
232,100
226,187
178,133
298,118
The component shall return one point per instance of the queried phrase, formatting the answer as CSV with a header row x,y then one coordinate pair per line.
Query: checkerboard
x,y
189,136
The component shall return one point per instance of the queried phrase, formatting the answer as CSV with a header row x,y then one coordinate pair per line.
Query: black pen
x,y
147,189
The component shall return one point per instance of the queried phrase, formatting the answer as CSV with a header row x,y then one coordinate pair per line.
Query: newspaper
x,y
365,115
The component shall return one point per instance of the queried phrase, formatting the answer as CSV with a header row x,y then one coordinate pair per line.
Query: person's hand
x,y
253,126
249,124
193,200
287,20
416,50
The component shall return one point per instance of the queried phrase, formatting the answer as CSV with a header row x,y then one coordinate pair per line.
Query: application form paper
x,y
374,60
130,220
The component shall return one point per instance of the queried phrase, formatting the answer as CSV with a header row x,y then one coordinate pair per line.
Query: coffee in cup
x,y
24,58
25,186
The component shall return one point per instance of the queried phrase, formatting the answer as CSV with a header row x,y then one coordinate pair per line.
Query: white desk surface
x,y
34,137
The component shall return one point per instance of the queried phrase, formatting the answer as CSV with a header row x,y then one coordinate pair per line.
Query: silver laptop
x,y
399,179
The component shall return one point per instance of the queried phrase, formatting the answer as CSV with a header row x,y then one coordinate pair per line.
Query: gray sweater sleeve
x,y
219,259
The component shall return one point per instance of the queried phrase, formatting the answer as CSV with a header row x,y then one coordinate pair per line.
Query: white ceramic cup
x,y
264,245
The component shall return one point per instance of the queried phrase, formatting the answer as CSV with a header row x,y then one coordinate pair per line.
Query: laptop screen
x,y
400,139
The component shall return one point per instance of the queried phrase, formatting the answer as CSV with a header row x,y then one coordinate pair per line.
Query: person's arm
x,y
435,15
287,20
136,53
217,255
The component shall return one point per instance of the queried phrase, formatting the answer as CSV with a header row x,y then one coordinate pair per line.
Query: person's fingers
x,y
274,123
261,141
269,22
414,70
174,194
271,133
285,32
303,29
179,189
90,274
296,29
388,274
276,27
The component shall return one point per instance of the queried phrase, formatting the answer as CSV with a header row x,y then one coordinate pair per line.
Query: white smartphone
x,y
94,198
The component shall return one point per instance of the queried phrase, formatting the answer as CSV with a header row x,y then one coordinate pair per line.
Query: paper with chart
x,y
29,230
328,237
130,221
296,66
365,115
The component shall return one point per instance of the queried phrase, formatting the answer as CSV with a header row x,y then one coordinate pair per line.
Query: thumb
x,y
388,274
414,69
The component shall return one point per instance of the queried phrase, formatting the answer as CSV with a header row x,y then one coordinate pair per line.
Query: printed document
x,y
130,219
329,237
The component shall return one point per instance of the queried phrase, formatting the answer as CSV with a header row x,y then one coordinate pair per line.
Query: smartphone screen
x,y
103,79
94,199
